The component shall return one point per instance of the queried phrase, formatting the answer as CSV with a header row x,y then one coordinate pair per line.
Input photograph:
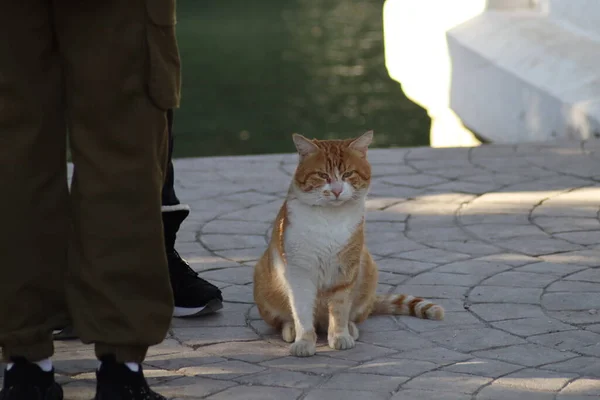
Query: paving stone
x,y
557,225
519,279
473,267
209,335
251,351
182,359
433,234
395,339
501,392
239,294
503,311
535,380
536,246
237,275
493,232
362,352
436,256
444,381
225,370
528,355
280,377
589,275
496,217
385,216
404,266
583,387
241,255
550,268
394,247
532,326
468,247
576,317
513,259
582,238
337,394
378,323
586,366
439,291
394,367
316,364
224,242
440,355
415,394
564,301
567,340
482,367
581,257
573,286
456,319
235,227
472,339
366,382
191,387
497,294
373,228
416,181
392,278
257,393
443,278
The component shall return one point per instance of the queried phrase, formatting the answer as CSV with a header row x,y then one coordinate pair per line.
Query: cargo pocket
x,y
164,77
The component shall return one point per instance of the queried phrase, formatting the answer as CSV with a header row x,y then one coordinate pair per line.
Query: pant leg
x,y
122,74
34,199
173,212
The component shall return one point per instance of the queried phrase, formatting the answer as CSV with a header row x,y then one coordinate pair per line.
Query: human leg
x,y
193,296
122,67
34,211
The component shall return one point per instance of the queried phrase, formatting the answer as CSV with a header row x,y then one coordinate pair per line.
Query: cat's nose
x,y
337,188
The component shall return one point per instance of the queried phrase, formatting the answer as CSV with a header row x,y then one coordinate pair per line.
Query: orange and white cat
x,y
317,272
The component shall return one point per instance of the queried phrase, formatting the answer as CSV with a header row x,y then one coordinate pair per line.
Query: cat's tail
x,y
405,304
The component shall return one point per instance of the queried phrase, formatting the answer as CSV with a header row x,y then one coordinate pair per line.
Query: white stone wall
x,y
511,70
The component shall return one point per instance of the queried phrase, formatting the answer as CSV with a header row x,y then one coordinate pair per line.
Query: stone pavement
x,y
506,238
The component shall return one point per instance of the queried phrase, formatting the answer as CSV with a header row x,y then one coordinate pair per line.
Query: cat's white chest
x,y
315,236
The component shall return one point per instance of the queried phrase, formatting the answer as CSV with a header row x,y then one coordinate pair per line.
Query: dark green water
x,y
254,72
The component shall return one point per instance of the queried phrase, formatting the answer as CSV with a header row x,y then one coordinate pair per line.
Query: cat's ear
x,y
304,146
362,143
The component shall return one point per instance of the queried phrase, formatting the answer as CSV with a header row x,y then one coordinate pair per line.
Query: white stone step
x,y
519,76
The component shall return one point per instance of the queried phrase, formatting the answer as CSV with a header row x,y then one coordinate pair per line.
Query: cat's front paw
x,y
341,342
303,348
288,332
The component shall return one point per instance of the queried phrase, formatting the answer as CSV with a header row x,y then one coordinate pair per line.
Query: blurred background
x,y
254,72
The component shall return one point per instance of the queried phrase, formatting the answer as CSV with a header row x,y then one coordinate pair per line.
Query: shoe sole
x,y
210,308
65,334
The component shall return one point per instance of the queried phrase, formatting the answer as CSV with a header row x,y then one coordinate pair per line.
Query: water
x,y
254,72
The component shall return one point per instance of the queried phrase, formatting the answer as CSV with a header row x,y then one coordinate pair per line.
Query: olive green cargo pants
x,y
105,72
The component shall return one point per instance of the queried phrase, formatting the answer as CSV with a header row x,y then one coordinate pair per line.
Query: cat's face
x,y
332,172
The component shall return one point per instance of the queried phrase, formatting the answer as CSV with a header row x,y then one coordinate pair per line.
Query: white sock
x,y
9,366
45,364
134,367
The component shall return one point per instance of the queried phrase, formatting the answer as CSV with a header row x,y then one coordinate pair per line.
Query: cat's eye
x,y
323,175
347,174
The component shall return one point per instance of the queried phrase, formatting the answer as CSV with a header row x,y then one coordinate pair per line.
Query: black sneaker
x,y
27,381
193,295
115,381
